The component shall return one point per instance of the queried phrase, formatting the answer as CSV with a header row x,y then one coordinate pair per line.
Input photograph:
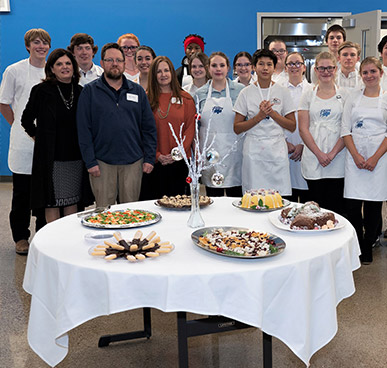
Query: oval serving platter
x,y
278,247
127,218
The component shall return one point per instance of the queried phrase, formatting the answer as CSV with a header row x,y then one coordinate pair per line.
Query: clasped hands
x,y
266,107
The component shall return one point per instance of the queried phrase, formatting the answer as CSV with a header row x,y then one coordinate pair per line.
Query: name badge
x,y
174,100
132,97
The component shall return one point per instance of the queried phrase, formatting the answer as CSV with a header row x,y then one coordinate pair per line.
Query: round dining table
x,y
292,296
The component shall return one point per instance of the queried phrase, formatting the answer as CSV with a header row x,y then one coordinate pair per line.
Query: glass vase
x,y
195,218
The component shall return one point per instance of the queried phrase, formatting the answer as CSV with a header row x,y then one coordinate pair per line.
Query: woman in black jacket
x,y
58,173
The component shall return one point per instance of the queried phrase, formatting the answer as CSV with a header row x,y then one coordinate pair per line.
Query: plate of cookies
x,y
134,250
181,202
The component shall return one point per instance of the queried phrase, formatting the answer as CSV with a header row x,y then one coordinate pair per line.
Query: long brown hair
x,y
153,89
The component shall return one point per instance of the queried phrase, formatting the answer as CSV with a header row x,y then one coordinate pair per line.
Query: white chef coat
x,y
297,180
93,73
220,112
324,125
352,82
280,78
252,79
365,118
383,82
265,154
18,79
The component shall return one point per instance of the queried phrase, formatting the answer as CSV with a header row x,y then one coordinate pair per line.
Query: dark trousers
x,y
328,193
169,180
366,223
20,214
219,192
299,196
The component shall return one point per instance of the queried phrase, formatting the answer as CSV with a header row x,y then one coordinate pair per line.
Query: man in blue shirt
x,y
117,131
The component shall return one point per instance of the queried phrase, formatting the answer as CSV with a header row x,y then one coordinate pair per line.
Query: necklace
x,y
161,113
68,103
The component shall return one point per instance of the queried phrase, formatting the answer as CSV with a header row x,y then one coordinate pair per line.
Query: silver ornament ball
x,y
217,179
176,154
213,156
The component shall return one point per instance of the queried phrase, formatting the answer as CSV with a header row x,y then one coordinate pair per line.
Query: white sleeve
x,y
288,102
7,88
241,103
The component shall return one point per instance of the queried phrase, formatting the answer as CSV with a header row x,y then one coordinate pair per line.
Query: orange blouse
x,y
178,113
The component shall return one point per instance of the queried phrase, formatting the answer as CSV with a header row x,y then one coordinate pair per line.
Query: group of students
x,y
295,134
326,140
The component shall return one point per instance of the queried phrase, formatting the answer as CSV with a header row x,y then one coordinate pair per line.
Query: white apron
x,y
187,79
296,178
325,131
265,156
21,145
368,132
219,110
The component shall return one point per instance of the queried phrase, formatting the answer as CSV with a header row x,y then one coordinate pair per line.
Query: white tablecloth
x,y
292,296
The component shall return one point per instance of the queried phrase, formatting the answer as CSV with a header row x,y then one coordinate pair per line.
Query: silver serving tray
x,y
279,243
123,226
237,203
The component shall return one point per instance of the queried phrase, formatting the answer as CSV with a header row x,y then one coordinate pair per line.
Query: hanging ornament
x,y
188,180
197,117
176,154
212,156
217,179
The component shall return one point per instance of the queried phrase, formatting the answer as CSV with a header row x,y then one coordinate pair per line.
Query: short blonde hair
x,y
128,35
35,33
349,44
325,55
371,60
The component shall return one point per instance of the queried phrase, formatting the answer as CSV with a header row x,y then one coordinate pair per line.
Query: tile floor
x,y
360,341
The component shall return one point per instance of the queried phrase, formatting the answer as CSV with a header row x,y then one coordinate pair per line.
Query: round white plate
x,y
274,219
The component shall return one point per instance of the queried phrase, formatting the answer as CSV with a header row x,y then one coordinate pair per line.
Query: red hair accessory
x,y
193,39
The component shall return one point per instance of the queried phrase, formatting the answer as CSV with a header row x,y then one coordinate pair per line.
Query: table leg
x,y
182,339
210,325
267,350
147,332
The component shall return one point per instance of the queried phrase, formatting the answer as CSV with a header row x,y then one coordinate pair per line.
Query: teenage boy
x,y
18,79
83,48
349,55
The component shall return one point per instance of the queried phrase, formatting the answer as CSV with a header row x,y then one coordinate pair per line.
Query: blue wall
x,y
229,26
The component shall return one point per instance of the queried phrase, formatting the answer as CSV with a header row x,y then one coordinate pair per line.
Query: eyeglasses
x,y
297,64
329,68
279,52
241,65
131,48
110,60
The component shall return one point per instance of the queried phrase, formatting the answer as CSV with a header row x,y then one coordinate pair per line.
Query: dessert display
x,y
121,218
261,198
238,242
137,249
309,216
182,201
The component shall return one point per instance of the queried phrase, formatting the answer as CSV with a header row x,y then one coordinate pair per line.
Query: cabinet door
x,y
365,30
